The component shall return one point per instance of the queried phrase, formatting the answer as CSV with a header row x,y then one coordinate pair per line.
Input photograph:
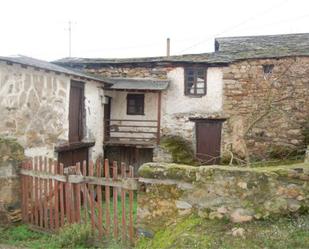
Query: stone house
x,y
249,98
50,110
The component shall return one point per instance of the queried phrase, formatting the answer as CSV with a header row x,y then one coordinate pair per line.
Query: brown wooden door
x,y
71,157
107,117
208,140
76,107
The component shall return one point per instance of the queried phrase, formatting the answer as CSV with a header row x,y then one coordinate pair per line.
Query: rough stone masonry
x,y
172,191
11,155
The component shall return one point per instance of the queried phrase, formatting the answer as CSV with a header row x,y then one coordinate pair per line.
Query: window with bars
x,y
135,104
195,81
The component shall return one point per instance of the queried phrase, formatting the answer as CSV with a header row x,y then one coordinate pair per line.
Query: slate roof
x,y
28,61
228,50
137,84
282,43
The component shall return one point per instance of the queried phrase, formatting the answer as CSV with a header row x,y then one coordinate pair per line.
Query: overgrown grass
x,y
194,232
72,236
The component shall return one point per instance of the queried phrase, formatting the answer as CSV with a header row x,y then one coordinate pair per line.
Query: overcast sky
x,y
137,28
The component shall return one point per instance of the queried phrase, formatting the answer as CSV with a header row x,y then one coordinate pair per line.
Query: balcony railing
x,y
131,132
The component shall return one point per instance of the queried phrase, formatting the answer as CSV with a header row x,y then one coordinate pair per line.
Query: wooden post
x,y
41,186
131,199
123,205
56,193
99,200
115,200
62,211
91,187
107,198
159,118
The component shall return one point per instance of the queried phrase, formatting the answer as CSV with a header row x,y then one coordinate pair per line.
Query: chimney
x,y
168,43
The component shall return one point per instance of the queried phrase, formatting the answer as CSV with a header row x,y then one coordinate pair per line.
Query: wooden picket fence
x,y
53,196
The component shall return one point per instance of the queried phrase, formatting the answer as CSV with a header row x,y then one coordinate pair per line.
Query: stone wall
x,y
170,191
131,71
266,112
11,155
34,109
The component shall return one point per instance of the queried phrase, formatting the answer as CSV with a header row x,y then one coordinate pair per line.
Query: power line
x,y
236,26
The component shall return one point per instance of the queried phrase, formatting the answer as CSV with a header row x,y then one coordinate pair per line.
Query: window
x,y
195,81
268,68
135,104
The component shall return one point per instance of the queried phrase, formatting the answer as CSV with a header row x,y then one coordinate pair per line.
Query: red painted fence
x,y
53,196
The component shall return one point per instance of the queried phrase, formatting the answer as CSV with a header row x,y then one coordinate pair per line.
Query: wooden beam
x,y
159,118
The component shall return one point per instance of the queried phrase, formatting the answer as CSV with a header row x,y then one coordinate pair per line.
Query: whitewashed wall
x,y
94,117
177,108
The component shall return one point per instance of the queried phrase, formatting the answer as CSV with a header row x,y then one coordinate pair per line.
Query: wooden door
x,y
107,117
76,107
208,140
71,157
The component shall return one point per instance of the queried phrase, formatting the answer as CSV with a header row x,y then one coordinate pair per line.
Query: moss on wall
x,y
220,192
180,149
10,150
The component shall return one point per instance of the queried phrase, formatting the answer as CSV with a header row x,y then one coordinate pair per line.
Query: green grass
x,y
73,236
291,232
194,232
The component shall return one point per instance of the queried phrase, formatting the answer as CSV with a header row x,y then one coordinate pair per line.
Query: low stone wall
x,y
11,155
169,191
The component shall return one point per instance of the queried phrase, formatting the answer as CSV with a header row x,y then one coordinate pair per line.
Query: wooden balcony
x,y
131,132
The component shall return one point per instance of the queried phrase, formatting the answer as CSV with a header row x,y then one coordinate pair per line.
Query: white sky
x,y
137,28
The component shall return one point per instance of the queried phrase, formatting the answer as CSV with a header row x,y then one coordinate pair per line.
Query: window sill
x,y
195,95
131,114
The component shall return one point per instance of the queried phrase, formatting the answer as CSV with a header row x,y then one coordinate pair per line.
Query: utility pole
x,y
70,38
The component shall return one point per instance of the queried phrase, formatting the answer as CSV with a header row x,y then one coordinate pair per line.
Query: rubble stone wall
x,y
34,109
266,110
169,191
11,156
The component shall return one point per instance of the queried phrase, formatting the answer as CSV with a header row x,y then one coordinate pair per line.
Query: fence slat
x,y
91,197
41,194
99,200
45,196
115,200
50,195
67,202
123,204
23,191
31,194
36,194
107,198
62,211
85,193
131,199
56,193
77,196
